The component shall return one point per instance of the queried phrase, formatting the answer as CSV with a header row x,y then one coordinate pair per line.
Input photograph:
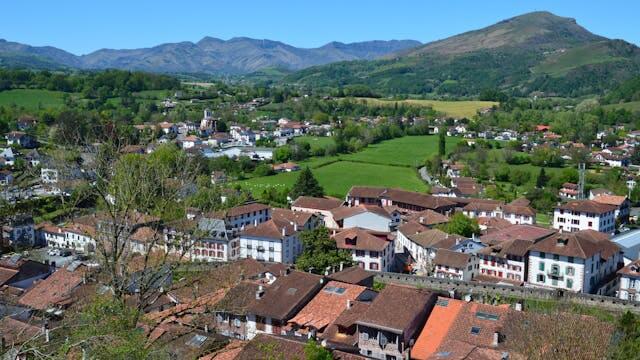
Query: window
x,y
570,259
569,284
540,278
556,257
555,270
373,266
360,253
541,266
373,254
569,271
542,255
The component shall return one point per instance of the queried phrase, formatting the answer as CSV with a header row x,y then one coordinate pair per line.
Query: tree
x,y
320,252
313,351
442,142
542,179
306,185
461,225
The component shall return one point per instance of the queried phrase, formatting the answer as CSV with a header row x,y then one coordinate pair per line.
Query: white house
x,y
319,206
276,240
454,265
629,288
519,214
424,246
579,261
369,249
579,215
8,156
483,208
168,128
243,215
367,217
217,242
622,204
505,260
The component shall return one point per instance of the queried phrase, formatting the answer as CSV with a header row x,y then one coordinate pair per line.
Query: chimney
x,y
321,281
334,232
259,292
206,328
518,306
255,222
287,271
496,339
421,219
284,232
295,227
349,303
341,265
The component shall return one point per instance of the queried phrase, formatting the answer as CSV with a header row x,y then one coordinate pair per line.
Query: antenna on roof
x,y
581,171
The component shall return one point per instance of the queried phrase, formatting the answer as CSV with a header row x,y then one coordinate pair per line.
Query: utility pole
x,y
581,171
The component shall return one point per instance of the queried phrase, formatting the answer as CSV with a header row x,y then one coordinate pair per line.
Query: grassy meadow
x,y
451,108
32,99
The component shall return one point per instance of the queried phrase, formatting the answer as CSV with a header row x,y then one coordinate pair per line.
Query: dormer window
x,y
351,240
562,242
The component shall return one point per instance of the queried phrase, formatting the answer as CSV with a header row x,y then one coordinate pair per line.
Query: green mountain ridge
x,y
531,53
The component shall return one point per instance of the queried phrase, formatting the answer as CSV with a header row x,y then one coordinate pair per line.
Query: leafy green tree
x,y
542,179
313,351
320,251
461,225
306,185
519,177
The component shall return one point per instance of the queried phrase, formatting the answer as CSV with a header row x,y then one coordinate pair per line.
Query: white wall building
x,y
370,250
580,262
629,288
579,215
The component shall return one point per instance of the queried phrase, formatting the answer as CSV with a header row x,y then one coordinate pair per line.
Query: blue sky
x,y
84,26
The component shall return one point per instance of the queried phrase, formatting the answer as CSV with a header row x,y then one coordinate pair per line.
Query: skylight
x,y
197,340
475,330
487,316
442,302
335,290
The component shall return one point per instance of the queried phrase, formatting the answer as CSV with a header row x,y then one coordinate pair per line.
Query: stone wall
x,y
462,288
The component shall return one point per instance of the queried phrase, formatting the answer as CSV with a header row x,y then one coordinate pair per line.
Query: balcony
x,y
555,274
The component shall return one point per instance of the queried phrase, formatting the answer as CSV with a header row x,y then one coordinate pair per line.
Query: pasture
x,y
32,99
452,108
405,151
338,177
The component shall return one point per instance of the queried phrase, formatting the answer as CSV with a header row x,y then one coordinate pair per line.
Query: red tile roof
x,y
588,206
455,325
452,259
327,305
55,290
523,232
315,203
610,200
396,308
582,244
360,239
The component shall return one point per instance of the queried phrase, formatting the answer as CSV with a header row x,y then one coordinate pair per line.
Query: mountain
x,y
210,55
535,52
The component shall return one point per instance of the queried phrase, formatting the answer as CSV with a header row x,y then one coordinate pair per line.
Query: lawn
x,y
338,177
32,99
152,94
404,151
451,108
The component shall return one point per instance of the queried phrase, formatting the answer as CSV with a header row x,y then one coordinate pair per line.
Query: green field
x,y
153,94
560,64
32,99
451,108
631,106
404,151
338,177
315,141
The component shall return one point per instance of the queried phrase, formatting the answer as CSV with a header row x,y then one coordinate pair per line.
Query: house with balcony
x,y
585,261
393,321
629,282
505,261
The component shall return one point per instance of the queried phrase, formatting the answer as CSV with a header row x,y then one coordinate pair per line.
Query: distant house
x,y
423,246
244,215
7,156
231,312
190,141
168,128
569,191
218,177
215,242
286,167
19,138
405,200
320,206
6,178
33,158
26,122
57,291
20,231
